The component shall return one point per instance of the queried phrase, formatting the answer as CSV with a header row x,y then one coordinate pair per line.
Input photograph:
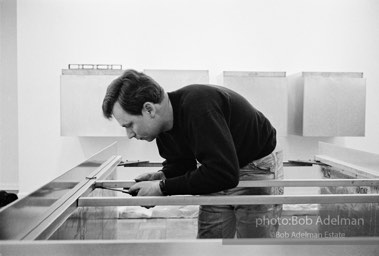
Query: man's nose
x,y
130,133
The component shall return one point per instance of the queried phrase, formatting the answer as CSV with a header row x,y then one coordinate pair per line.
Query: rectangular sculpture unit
x,y
327,104
83,91
172,80
82,94
266,91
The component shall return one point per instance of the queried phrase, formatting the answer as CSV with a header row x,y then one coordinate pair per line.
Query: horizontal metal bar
x,y
349,168
227,200
310,183
267,183
291,163
349,246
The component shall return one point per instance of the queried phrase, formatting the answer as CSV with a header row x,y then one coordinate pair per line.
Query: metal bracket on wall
x,y
94,66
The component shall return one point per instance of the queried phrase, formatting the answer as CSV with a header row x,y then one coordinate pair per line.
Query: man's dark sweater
x,y
218,128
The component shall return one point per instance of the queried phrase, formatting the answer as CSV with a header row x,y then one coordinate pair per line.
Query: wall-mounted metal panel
x,y
172,80
82,94
266,91
83,91
327,104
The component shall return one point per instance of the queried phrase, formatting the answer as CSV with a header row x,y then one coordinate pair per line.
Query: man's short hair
x,y
131,90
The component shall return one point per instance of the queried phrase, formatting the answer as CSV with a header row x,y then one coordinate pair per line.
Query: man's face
x,y
141,127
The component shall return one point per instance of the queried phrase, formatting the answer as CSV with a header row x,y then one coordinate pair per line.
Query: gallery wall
x,y
223,35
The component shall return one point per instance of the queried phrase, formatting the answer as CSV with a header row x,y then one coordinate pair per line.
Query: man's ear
x,y
149,108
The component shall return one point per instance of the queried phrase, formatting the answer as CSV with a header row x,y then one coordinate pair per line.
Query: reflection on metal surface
x,y
367,213
89,222
17,219
61,209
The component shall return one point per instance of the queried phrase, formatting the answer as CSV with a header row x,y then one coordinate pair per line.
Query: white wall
x,y
234,35
8,96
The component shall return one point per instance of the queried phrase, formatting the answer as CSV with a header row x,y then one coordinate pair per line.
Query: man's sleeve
x,y
177,167
213,146
175,164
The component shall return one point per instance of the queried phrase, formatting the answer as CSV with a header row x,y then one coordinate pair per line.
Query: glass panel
x,y
297,221
180,222
89,222
128,222
328,221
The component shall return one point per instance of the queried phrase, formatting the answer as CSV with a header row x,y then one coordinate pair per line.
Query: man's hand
x,y
150,176
146,188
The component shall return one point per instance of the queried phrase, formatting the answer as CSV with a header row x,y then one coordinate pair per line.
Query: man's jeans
x,y
245,221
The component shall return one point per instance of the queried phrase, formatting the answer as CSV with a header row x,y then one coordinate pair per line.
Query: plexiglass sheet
x,y
296,221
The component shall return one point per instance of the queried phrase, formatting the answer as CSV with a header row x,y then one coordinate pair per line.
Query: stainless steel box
x,y
83,91
327,104
266,91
